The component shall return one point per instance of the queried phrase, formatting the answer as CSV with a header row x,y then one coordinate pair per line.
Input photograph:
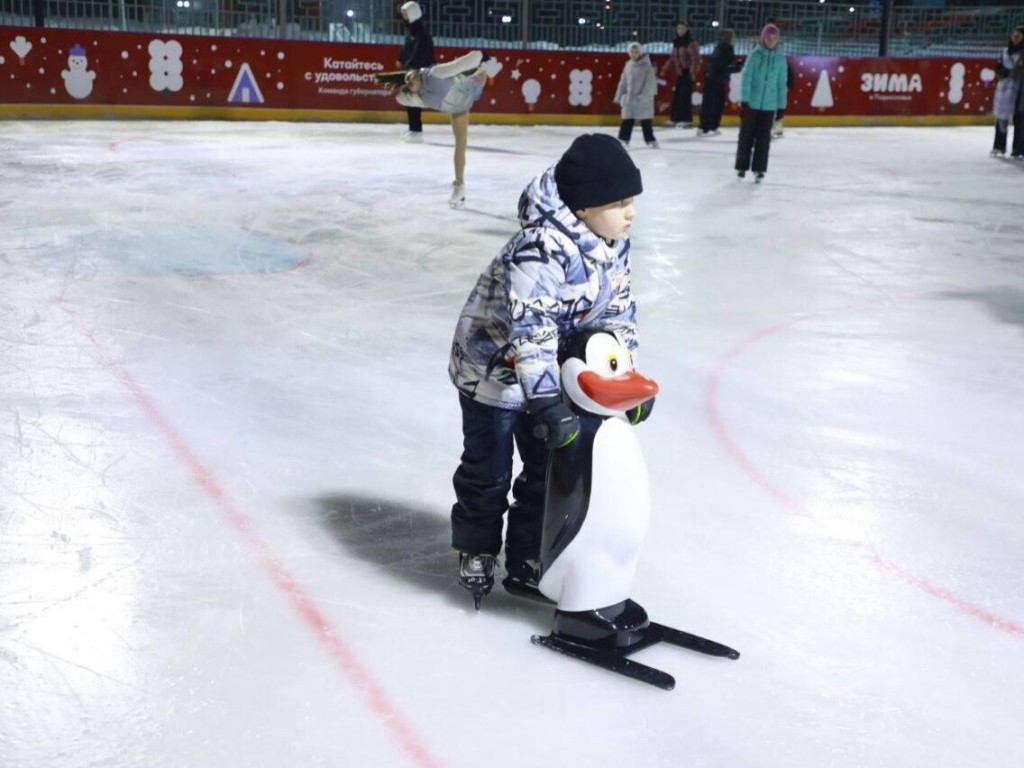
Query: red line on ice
x,y
785,500
375,697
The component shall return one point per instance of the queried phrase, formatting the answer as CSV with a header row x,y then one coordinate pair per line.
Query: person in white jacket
x,y
452,88
635,94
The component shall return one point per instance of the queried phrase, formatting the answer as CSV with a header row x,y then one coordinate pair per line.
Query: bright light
x,y
714,23
852,9
581,21
350,14
506,19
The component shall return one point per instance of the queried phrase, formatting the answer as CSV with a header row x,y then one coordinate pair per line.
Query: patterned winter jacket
x,y
553,276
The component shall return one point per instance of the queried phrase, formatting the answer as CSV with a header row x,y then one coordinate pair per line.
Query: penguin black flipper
x,y
567,493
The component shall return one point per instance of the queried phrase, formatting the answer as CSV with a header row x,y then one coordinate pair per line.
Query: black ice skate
x,y
758,178
476,573
522,580
606,637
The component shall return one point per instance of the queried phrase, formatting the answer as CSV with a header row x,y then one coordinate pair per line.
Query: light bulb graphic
x,y
531,92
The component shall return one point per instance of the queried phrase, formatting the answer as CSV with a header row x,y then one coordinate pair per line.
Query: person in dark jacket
x,y
1008,103
721,66
685,62
418,52
778,130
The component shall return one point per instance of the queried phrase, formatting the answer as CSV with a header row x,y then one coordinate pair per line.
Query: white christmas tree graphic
x,y
822,97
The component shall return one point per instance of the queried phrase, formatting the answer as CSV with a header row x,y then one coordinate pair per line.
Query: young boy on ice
x,y
567,267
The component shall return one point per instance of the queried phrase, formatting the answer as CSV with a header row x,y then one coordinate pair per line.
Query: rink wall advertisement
x,y
85,73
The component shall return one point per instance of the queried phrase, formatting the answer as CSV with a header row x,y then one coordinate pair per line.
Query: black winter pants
x,y
415,119
484,477
626,129
755,139
682,99
1003,129
713,105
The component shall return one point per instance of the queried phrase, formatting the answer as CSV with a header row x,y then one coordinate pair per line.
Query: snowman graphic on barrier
x,y
77,77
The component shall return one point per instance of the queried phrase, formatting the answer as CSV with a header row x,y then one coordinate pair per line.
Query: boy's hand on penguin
x,y
640,412
554,423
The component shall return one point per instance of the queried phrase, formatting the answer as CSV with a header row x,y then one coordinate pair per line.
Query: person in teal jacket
x,y
763,97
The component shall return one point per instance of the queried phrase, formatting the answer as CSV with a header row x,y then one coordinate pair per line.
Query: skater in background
x,y
721,66
778,129
763,94
635,95
416,53
684,61
1008,102
452,88
568,266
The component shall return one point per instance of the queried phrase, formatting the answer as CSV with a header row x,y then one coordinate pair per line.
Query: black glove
x,y
554,423
779,114
743,109
641,412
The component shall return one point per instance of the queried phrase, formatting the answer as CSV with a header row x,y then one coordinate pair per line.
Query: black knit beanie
x,y
596,170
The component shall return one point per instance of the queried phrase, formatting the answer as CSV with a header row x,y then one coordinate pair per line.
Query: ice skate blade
x,y
478,594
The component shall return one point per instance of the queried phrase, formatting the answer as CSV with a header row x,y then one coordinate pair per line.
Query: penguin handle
x,y
541,431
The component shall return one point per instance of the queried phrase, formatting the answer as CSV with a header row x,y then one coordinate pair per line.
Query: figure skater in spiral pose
x,y
452,88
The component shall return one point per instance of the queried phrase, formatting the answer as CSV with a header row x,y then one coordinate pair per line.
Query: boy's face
x,y
612,221
681,29
634,53
771,41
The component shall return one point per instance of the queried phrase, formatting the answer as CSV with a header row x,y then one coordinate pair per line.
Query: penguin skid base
x,y
596,514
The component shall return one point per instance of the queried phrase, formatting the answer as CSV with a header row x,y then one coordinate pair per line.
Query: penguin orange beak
x,y
619,393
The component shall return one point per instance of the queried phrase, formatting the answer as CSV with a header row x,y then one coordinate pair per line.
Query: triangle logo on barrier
x,y
245,90
822,97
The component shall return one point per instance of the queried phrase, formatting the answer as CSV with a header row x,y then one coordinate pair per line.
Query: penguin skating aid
x,y
596,515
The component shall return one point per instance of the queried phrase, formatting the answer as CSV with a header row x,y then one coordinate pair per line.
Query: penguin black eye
x,y
613,363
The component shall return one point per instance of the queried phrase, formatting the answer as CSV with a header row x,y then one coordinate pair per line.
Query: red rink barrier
x,y
86,73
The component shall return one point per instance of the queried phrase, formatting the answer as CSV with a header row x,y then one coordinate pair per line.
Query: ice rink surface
x,y
227,437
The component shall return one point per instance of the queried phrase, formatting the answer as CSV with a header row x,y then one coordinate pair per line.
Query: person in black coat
x,y
418,52
721,66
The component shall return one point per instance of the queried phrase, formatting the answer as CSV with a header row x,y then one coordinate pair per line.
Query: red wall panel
x,y
71,72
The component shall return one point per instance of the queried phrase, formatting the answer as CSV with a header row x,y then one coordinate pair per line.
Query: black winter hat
x,y
596,170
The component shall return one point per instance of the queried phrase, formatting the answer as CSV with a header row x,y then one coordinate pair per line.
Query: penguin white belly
x,y
597,568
